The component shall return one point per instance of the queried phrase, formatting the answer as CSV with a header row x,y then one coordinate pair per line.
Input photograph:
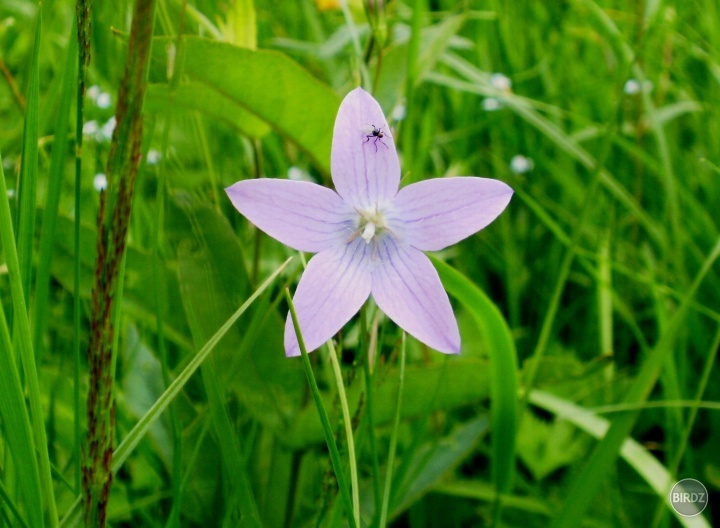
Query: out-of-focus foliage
x,y
606,123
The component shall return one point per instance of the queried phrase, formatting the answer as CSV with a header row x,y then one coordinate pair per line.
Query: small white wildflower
x,y
153,157
11,193
520,164
93,92
632,87
103,100
90,128
107,129
398,113
501,82
491,104
298,174
100,182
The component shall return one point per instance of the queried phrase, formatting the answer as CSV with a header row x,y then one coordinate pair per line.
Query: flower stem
x,y
393,438
327,429
348,431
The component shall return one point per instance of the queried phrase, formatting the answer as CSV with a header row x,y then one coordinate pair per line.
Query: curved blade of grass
x,y
201,297
503,366
74,514
523,108
14,413
584,487
647,466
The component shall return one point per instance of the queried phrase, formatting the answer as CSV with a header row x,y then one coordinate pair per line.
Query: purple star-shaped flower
x,y
368,236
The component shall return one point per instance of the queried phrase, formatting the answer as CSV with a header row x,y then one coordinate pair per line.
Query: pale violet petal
x,y
302,215
407,288
365,167
332,289
434,214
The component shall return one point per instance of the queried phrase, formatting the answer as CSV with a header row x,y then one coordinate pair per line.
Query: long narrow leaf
x,y
503,363
14,413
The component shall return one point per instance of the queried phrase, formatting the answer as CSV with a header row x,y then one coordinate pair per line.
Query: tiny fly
x,y
371,131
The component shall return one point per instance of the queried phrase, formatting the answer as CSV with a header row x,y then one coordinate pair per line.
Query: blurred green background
x,y
602,116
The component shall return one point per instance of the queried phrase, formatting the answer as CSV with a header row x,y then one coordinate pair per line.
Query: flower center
x,y
372,223
369,225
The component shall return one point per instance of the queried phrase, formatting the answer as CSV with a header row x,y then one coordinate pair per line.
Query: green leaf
x,y
462,381
434,459
269,85
503,364
162,99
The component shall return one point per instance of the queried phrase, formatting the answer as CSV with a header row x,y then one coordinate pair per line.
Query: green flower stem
x,y
327,429
366,343
348,430
393,437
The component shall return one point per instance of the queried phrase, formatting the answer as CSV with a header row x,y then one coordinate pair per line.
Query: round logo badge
x,y
689,497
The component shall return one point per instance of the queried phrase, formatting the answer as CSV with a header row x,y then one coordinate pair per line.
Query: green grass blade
x,y
27,188
503,364
585,486
14,413
133,438
57,166
238,484
10,504
639,458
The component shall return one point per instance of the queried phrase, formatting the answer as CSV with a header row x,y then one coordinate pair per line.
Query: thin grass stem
x,y
327,428
347,419
393,437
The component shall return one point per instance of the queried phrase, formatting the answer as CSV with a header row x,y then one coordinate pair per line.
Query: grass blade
x,y
503,364
586,484
133,438
647,466
14,413
57,166
27,187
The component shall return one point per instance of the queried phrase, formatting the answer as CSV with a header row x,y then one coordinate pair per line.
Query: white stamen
x,y
368,232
